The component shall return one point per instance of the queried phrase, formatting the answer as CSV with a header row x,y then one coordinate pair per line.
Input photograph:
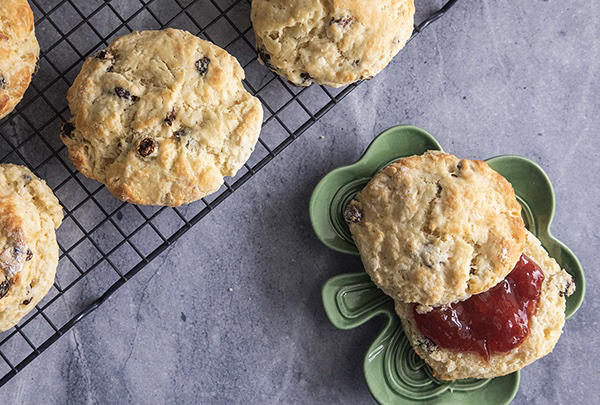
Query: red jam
x,y
494,321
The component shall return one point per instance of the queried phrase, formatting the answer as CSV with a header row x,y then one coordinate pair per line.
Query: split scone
x,y
477,294
533,336
29,216
434,229
332,42
160,117
19,52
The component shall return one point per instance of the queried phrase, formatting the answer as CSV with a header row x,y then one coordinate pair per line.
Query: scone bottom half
x,y
496,332
161,117
485,334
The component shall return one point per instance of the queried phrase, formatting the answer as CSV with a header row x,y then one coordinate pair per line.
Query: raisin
x,y
27,301
179,133
569,288
122,93
146,147
17,251
4,286
426,345
305,77
170,117
266,58
67,130
355,63
343,21
106,55
202,65
459,167
103,55
2,82
26,179
352,213
29,255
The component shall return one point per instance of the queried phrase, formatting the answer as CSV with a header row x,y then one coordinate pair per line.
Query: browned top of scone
x,y
332,42
29,215
19,51
435,229
161,117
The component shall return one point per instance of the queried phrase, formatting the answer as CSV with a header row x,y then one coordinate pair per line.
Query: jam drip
x,y
495,321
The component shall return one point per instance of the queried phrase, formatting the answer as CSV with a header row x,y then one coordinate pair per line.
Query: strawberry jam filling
x,y
495,321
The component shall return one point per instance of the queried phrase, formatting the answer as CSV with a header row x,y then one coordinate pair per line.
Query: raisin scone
x,y
29,216
544,329
19,52
331,42
160,117
434,229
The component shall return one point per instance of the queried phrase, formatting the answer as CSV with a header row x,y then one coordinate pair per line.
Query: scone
x,y
332,42
544,329
29,216
19,52
433,229
160,117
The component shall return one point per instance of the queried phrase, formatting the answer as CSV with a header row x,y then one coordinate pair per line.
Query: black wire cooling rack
x,y
104,242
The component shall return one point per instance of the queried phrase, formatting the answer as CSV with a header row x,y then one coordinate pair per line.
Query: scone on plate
x,y
534,336
332,42
29,216
19,52
160,117
477,294
434,229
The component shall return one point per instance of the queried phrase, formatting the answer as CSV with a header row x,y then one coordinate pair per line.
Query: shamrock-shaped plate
x,y
394,373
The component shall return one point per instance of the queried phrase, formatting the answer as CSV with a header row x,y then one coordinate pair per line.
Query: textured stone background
x,y
492,77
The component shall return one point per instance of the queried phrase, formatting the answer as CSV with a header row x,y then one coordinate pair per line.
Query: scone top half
x,y
160,117
332,42
19,51
434,229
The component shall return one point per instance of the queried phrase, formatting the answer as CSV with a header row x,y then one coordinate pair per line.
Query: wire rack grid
x,y
104,242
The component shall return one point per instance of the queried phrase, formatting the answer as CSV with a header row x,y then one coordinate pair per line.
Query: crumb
x,y
230,289
423,309
321,137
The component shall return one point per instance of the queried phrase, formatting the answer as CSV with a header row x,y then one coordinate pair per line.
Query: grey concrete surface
x,y
232,312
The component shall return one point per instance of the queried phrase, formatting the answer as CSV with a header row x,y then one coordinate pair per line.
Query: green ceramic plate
x,y
394,373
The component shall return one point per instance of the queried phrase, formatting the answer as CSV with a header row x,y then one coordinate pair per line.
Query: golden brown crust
x,y
29,215
161,117
546,328
332,42
19,51
436,229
